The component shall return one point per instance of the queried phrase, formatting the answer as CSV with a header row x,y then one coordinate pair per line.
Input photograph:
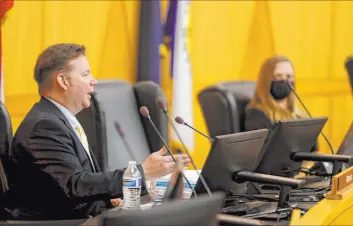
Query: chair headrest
x,y
115,101
224,105
146,94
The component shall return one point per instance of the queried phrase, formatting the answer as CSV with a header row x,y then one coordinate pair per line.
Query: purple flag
x,y
169,30
150,38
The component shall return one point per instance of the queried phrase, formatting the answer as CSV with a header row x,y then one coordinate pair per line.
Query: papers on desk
x,y
162,183
146,206
190,174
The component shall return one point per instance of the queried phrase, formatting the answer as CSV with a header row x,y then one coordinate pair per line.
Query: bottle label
x,y
166,183
132,183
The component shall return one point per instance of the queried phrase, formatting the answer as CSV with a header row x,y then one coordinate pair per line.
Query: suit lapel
x,y
58,113
52,108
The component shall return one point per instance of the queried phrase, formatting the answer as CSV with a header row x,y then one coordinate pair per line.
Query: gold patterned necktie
x,y
83,138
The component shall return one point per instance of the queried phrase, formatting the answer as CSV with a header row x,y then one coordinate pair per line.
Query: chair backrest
x,y
5,143
93,122
146,94
5,129
193,212
223,106
114,101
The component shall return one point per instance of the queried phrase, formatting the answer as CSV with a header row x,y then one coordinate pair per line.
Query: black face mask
x,y
280,89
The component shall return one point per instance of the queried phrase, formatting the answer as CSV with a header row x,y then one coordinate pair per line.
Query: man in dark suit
x,y
52,172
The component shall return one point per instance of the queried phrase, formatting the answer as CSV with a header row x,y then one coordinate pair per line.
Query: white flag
x,y
182,81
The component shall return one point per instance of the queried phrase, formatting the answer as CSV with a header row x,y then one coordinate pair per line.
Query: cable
x,y
301,102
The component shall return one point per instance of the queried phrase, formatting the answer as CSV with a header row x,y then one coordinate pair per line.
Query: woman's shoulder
x,y
256,119
255,113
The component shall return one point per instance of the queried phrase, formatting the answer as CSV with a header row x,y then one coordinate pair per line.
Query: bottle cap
x,y
132,162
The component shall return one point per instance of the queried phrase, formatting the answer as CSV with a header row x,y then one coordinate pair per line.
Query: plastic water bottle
x,y
132,182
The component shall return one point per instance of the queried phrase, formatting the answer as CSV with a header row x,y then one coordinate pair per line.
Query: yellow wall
x,y
229,41
107,28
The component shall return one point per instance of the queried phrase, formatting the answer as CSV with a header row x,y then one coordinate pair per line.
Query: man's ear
x,y
62,81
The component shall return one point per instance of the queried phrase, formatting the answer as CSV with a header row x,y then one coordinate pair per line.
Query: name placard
x,y
345,180
342,184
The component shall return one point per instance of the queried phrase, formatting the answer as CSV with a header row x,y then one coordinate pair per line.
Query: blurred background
x,y
227,40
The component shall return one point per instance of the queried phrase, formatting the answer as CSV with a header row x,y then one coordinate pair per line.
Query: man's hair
x,y
54,58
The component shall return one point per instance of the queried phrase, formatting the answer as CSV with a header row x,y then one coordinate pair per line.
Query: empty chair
x,y
193,212
224,104
114,127
146,94
114,103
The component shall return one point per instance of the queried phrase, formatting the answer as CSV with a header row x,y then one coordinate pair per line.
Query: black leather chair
x,y
5,143
146,94
223,106
117,101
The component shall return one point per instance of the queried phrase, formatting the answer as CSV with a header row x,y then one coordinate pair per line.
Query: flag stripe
x,y
182,80
169,30
150,38
5,5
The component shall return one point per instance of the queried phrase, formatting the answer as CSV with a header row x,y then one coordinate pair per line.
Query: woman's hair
x,y
263,99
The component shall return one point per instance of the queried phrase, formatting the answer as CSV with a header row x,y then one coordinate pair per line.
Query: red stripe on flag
x,y
5,5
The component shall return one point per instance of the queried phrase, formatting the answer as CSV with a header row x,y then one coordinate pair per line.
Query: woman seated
x,y
273,99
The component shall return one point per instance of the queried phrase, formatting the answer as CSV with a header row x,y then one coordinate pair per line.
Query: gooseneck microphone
x,y
163,107
307,111
145,113
181,121
121,133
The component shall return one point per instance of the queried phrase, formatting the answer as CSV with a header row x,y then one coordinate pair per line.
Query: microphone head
x,y
118,129
161,104
290,85
349,68
179,120
144,112
349,60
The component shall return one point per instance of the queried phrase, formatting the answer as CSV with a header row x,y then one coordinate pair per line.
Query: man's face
x,y
80,84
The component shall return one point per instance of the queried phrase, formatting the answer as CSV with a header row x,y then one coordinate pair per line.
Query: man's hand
x,y
157,165
117,202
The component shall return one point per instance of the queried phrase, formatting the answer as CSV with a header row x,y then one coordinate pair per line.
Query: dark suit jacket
x,y
49,171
